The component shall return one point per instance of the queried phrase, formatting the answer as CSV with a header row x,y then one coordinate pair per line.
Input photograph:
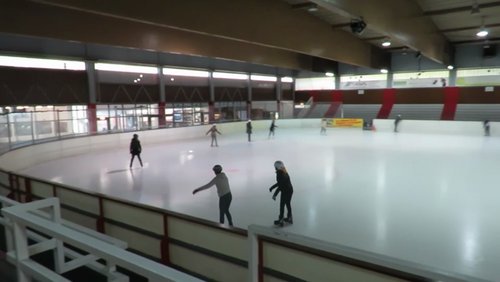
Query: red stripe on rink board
x,y
388,101
335,104
451,95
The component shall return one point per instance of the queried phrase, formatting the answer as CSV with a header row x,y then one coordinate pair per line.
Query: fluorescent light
x,y
329,74
384,71
230,75
482,33
450,67
263,78
185,72
386,43
287,79
126,68
24,62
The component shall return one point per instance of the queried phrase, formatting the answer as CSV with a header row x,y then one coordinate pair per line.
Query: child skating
x,y
213,133
283,185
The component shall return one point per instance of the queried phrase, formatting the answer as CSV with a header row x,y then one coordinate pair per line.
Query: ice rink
x,y
429,199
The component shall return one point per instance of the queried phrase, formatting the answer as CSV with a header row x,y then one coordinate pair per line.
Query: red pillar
x,y
451,95
92,117
388,101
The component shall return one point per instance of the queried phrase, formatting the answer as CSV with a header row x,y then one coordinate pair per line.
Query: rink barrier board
x,y
135,217
235,245
216,269
136,240
283,261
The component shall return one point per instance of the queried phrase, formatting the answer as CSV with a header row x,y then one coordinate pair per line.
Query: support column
x,y
390,79
249,98
91,107
211,102
279,93
161,105
337,81
452,78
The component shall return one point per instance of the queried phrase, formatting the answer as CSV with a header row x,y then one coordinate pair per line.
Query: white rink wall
x,y
31,155
28,156
470,128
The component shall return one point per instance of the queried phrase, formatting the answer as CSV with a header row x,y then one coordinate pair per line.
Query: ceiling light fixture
x,y
313,8
450,67
482,32
384,71
329,74
386,43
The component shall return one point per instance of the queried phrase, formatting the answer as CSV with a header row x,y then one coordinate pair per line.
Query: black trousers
x,y
132,159
285,200
224,203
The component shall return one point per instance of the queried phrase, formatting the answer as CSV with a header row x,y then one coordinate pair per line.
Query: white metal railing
x,y
19,217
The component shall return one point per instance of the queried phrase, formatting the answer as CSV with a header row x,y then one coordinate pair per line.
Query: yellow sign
x,y
347,122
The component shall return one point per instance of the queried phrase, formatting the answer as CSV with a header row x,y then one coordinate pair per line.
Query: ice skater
x,y
271,129
283,185
486,125
323,127
135,149
221,182
396,122
213,133
249,130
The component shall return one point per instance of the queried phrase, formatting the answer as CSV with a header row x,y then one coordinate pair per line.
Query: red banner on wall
x,y
389,100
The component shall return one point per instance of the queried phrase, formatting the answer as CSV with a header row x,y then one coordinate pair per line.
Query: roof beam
x,y
461,9
262,23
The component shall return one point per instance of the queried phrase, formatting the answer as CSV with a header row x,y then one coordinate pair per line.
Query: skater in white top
x,y
213,133
323,127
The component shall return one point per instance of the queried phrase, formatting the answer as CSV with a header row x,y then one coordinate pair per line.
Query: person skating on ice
x,y
271,129
283,185
135,149
249,130
396,122
486,125
223,191
323,127
213,133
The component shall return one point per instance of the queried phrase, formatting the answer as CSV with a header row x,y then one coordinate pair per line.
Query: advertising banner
x,y
347,122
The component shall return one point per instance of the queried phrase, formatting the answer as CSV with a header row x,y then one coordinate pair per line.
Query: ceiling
x,y
281,33
457,21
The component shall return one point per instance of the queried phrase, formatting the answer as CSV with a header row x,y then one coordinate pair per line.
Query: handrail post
x,y
21,248
165,241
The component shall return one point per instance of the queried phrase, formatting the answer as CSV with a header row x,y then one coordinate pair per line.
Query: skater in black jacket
x,y
271,129
135,149
249,130
486,126
283,185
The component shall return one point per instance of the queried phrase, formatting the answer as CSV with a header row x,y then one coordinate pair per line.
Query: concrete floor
x,y
428,199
